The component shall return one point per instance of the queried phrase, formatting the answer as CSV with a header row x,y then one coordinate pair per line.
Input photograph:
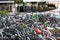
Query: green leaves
x,y
3,13
18,1
36,17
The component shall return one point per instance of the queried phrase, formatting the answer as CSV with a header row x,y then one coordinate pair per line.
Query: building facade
x,y
7,5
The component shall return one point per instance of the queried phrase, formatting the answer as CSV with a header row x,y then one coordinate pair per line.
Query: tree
x,y
18,1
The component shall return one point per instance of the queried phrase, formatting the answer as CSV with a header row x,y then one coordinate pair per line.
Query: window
x,y
20,8
5,6
2,6
9,8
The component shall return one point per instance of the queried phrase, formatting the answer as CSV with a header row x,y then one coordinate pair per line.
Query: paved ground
x,y
1,30
11,13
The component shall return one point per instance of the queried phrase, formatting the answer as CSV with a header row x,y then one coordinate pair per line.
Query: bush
x,y
4,12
